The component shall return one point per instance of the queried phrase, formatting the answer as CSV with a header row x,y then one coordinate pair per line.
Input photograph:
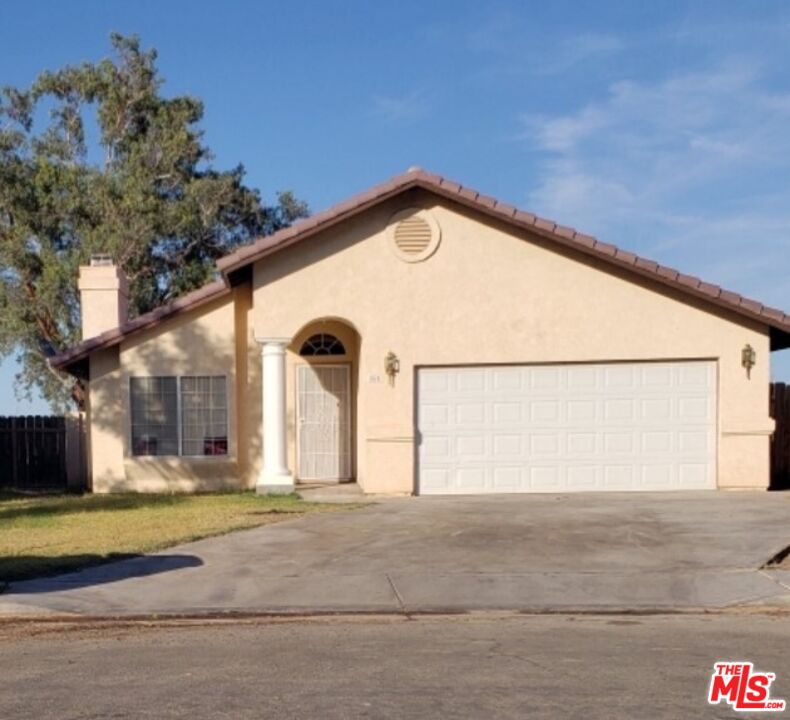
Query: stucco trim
x,y
748,433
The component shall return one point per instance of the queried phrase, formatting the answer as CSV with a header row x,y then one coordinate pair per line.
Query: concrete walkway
x,y
581,552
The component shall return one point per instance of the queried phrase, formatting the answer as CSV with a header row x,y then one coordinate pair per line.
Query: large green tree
x,y
94,159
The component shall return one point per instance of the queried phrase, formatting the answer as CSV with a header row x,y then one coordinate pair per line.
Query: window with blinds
x,y
204,416
185,416
154,415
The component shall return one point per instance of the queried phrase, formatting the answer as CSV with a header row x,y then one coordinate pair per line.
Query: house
x,y
424,338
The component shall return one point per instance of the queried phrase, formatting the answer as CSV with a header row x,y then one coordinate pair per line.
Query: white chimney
x,y
104,296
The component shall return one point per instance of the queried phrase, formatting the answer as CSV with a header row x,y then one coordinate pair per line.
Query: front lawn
x,y
51,534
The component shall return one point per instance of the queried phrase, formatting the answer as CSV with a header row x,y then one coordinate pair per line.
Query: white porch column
x,y
275,477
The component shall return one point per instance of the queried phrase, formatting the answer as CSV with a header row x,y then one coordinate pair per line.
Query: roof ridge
x,y
594,243
418,176
625,257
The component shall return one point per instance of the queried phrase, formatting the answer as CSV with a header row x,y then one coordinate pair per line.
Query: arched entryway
x,y
322,372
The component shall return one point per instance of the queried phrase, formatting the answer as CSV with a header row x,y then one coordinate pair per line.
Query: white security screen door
x,y
323,422
565,428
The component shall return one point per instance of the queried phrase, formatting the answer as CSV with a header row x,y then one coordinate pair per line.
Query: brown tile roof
x,y
190,301
776,320
558,234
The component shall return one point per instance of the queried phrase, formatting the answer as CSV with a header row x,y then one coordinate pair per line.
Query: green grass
x,y
50,534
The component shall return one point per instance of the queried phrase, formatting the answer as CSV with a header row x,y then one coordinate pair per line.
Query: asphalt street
x,y
575,666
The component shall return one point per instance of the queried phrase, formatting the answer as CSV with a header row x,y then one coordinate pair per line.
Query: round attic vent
x,y
414,234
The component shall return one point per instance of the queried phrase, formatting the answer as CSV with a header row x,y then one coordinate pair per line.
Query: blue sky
x,y
661,127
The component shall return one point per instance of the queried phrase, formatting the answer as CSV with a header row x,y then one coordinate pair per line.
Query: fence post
x,y
14,453
780,440
75,479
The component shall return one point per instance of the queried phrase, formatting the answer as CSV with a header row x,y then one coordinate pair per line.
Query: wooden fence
x,y
780,442
34,453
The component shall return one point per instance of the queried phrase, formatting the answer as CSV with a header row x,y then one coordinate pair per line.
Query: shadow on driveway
x,y
100,569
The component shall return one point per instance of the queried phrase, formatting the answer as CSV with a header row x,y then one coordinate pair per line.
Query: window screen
x,y
154,416
204,416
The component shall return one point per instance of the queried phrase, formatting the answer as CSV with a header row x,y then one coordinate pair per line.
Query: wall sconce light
x,y
748,359
391,366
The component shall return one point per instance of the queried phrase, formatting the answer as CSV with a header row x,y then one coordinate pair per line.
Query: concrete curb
x,y
240,616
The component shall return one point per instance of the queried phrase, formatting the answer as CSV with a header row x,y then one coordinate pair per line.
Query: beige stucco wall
x,y
487,296
201,342
105,412
104,301
248,390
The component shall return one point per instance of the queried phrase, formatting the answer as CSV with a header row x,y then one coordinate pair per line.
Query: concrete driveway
x,y
524,552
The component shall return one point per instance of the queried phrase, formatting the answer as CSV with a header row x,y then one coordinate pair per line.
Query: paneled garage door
x,y
565,428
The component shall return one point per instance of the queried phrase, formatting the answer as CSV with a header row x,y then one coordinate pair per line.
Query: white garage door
x,y
565,428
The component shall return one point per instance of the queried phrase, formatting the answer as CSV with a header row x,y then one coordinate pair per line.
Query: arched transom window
x,y
322,344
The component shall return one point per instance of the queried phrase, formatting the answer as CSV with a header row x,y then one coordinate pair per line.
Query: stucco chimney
x,y
104,296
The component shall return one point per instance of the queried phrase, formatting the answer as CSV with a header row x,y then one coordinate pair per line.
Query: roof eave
x,y
308,227
780,339
69,360
557,234
236,267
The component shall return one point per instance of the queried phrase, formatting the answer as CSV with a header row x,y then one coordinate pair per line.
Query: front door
x,y
323,422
